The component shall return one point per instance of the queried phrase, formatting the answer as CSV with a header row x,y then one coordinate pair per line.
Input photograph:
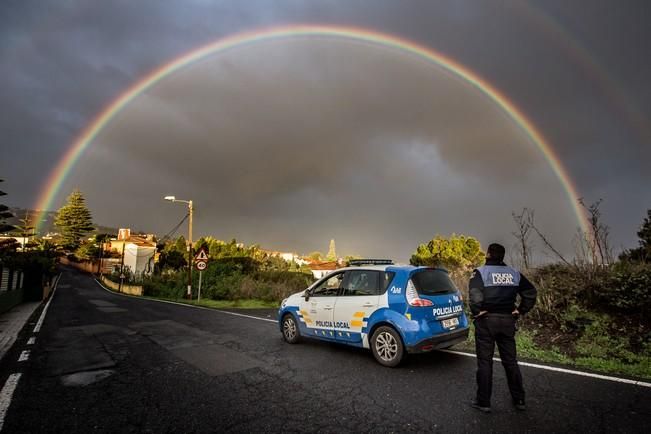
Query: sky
x,y
291,142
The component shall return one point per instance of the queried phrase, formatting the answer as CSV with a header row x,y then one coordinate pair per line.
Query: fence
x,y
11,288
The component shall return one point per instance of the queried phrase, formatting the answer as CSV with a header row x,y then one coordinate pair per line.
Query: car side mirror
x,y
306,295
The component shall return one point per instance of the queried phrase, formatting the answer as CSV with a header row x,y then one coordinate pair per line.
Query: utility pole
x,y
101,255
190,211
190,257
124,242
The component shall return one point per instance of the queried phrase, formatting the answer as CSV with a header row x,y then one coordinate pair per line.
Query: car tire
x,y
290,330
387,346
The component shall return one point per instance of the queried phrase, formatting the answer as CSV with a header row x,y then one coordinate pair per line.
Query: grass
x,y
223,304
596,351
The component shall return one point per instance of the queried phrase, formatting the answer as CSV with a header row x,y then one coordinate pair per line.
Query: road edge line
x,y
184,304
7,394
37,328
562,370
459,353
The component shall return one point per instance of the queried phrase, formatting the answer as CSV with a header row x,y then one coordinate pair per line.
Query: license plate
x,y
449,323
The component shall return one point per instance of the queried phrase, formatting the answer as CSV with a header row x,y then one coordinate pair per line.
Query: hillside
x,y
48,223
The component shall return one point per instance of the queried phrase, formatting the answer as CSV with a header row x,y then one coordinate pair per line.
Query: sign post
x,y
201,263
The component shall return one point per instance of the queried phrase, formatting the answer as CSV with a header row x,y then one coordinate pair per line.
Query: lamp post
x,y
189,202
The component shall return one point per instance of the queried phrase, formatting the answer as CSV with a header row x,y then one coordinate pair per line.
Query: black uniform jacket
x,y
498,294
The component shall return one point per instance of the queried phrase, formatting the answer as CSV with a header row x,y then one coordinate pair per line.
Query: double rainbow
x,y
65,165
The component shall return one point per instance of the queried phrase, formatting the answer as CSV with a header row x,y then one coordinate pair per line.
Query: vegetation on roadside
x,y
234,272
37,261
225,304
593,312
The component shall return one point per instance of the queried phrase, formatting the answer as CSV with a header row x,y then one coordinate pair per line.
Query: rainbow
x,y
67,162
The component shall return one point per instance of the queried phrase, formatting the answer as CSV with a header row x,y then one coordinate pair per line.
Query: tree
x,y
458,254
332,252
5,214
87,251
315,256
524,223
172,259
643,252
74,220
597,236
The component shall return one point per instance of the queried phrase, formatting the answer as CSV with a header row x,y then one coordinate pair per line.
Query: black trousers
x,y
489,330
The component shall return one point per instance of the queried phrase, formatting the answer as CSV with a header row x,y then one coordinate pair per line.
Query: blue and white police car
x,y
391,309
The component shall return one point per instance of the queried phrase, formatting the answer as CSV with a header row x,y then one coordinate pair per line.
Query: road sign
x,y
201,259
202,255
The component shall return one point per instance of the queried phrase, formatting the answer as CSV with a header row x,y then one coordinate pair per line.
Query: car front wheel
x,y
387,346
290,329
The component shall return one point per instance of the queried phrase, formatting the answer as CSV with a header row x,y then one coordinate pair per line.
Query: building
x,y
321,268
139,251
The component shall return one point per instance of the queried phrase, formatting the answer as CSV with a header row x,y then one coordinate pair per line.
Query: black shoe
x,y
484,409
520,405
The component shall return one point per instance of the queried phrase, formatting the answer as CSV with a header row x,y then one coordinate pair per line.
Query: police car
x,y
391,309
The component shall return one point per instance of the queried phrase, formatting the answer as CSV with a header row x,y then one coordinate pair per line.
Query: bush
x,y
623,286
628,288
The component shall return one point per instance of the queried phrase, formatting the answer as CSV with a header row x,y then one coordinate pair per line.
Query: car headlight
x,y
283,303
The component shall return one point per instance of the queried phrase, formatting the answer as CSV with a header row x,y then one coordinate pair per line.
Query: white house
x,y
322,268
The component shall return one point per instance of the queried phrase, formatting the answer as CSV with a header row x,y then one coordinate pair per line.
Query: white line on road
x,y
563,370
24,356
459,353
31,341
6,394
186,305
37,328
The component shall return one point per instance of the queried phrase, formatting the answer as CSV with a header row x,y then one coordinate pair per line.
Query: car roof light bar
x,y
356,262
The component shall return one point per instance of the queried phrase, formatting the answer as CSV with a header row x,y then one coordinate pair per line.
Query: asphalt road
x,y
108,363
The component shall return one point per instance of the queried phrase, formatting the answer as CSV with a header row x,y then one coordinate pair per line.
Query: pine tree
x,y
74,220
5,214
332,253
645,233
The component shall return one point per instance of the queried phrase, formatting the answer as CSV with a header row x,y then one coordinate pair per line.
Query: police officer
x,y
493,292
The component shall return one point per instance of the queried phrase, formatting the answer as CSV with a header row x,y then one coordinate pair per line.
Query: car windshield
x,y
433,282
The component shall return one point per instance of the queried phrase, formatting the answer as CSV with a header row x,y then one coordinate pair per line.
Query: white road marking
x,y
37,328
6,394
459,353
186,305
31,341
563,370
24,356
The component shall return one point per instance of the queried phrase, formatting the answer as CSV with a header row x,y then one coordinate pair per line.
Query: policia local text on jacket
x,y
493,293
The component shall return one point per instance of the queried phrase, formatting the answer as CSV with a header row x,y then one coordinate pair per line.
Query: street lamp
x,y
189,202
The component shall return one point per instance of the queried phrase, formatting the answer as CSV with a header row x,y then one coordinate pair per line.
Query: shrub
x,y
628,287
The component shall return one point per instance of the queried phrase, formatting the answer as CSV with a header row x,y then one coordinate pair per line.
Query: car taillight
x,y
412,296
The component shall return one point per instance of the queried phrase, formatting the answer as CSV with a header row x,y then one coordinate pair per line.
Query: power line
x,y
174,229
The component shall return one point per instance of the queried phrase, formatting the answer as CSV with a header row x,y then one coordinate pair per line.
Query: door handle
x,y
328,307
367,305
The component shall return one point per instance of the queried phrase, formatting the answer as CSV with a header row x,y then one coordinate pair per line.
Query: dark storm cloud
x,y
62,62
291,143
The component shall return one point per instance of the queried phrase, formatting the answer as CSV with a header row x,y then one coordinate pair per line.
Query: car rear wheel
x,y
387,346
290,329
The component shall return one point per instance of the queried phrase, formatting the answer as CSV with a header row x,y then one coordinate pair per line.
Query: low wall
x,y
88,267
126,289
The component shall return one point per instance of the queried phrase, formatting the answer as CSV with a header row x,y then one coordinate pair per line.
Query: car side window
x,y
362,282
328,287
388,277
